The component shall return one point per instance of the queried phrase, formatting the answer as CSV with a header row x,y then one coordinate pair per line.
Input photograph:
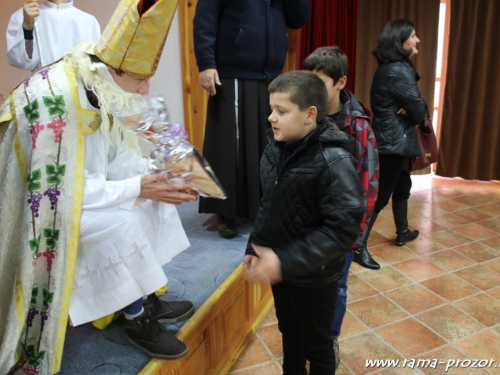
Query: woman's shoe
x,y
406,236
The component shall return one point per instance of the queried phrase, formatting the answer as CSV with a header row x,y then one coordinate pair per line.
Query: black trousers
x,y
305,317
392,181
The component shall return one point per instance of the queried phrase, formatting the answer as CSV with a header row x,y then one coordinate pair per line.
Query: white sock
x,y
132,316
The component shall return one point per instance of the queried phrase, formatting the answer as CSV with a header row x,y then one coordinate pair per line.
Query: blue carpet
x,y
192,275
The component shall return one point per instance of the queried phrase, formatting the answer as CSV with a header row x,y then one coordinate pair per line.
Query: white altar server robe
x,y
61,28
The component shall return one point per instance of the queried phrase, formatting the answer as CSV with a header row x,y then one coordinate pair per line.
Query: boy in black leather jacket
x,y
312,203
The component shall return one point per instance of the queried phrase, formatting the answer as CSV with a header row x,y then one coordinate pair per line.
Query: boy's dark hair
x,y
390,42
330,60
306,89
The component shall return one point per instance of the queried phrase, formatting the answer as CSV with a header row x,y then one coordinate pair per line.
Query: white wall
x,y
168,78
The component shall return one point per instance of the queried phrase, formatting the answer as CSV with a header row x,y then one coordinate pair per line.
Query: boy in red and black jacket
x,y
351,116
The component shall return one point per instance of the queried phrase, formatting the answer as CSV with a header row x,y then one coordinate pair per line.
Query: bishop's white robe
x,y
124,240
61,28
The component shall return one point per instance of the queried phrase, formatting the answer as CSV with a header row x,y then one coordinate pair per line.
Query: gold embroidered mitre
x,y
134,37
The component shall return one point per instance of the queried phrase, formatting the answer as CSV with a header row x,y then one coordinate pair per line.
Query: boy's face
x,y
289,123
332,88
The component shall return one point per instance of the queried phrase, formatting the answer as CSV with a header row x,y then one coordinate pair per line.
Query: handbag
x,y
428,147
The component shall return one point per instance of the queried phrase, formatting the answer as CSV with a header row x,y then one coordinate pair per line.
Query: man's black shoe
x,y
363,258
150,336
227,228
168,312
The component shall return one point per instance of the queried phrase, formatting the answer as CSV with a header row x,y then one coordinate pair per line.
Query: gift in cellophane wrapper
x,y
172,153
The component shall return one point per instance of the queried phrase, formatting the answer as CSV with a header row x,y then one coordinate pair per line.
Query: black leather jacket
x,y
394,86
310,209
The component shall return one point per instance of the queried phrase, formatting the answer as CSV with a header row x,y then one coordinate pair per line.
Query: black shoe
x,y
226,227
364,259
168,312
406,236
150,336
336,351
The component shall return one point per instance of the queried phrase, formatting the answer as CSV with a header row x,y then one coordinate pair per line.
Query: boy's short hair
x,y
331,60
306,89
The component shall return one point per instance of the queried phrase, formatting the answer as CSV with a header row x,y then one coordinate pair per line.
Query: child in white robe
x,y
61,27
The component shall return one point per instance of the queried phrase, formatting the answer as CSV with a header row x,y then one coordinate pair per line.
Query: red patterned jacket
x,y
355,119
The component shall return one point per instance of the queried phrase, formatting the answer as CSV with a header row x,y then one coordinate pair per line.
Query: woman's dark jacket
x,y
310,209
394,86
245,39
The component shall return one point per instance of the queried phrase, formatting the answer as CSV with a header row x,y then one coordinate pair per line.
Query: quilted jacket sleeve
x,y
341,208
405,91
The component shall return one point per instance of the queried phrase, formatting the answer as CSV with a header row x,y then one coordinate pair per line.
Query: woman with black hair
x,y
397,108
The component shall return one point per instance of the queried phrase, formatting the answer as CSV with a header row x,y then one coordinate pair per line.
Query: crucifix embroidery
x,y
89,274
113,266
138,250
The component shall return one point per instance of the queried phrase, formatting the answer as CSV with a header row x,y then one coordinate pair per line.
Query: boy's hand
x,y
267,267
30,10
247,265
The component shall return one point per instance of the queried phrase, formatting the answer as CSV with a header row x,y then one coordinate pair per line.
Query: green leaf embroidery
x,y
55,104
36,359
34,180
54,173
34,245
48,297
34,294
52,236
31,111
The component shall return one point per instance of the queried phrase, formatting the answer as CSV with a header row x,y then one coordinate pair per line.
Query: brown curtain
x,y
470,129
372,16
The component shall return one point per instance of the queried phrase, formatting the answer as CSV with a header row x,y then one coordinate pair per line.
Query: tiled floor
x,y
436,298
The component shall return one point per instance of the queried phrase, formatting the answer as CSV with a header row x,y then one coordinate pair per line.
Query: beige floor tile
x,y
386,278
482,345
376,311
410,337
356,350
392,253
479,276
481,307
449,238
449,260
478,251
474,231
419,269
448,353
450,287
450,323
415,298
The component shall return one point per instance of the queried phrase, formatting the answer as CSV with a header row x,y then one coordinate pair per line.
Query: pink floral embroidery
x,y
57,125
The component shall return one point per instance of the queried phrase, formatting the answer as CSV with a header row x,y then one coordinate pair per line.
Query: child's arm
x,y
265,267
